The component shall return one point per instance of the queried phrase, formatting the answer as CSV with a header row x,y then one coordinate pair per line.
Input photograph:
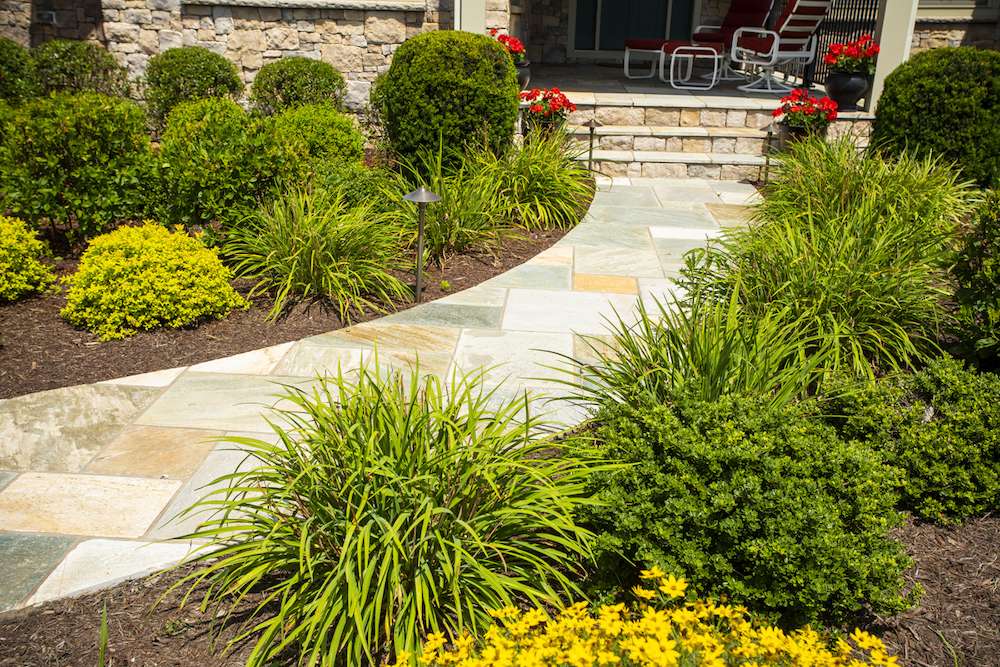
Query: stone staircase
x,y
674,136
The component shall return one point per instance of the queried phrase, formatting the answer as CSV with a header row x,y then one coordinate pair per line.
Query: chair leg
x,y
767,83
648,75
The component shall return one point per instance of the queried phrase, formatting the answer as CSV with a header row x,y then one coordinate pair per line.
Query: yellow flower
x,y
643,593
672,587
652,573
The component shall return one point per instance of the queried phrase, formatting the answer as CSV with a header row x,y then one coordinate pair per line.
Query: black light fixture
x,y
421,197
592,124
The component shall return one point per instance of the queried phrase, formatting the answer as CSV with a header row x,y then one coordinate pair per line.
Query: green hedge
x,y
978,275
940,426
292,82
75,66
79,161
946,102
451,87
16,72
186,74
325,134
766,507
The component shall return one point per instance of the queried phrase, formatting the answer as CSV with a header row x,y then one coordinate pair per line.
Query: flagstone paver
x,y
92,478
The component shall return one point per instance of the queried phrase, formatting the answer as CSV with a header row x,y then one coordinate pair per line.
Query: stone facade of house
x,y
936,34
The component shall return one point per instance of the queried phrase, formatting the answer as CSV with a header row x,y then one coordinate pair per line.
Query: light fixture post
x,y
592,125
421,197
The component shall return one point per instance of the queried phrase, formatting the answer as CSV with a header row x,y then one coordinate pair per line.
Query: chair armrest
x,y
699,28
758,32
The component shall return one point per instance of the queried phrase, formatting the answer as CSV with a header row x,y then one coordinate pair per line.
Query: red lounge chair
x,y
793,40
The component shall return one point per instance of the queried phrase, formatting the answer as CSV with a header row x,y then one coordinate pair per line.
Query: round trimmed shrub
x,y
941,427
448,87
325,134
977,272
946,102
185,74
16,73
359,185
22,270
75,66
762,505
292,82
75,161
139,278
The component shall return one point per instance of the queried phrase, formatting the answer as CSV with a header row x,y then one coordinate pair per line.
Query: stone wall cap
x,y
391,5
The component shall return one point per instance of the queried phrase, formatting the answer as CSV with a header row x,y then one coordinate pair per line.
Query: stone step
x,y
673,139
670,164
756,119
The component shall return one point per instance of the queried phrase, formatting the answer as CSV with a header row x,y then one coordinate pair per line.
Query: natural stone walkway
x,y
91,476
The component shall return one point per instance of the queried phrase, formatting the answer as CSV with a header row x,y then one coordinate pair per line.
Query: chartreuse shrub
x,y
217,164
17,80
668,627
854,248
315,245
139,278
296,81
945,102
763,505
448,87
22,269
77,66
75,161
327,136
940,426
977,273
185,74
390,506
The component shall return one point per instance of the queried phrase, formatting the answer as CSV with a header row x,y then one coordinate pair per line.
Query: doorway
x,y
600,27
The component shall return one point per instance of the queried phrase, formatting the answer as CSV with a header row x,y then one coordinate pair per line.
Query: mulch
x,y
956,624
39,350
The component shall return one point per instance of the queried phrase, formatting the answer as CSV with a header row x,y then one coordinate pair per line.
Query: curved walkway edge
x,y
91,476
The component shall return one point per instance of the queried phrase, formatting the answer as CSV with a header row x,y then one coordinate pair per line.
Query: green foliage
x,y
292,82
940,426
448,87
762,505
326,135
359,185
75,66
853,248
540,184
217,164
78,161
17,77
978,275
389,507
186,74
945,102
22,270
140,278
316,245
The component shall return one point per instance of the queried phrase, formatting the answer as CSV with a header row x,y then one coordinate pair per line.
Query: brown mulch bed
x,y
39,350
957,622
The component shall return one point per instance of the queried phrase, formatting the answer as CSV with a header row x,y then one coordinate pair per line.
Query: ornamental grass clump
x,y
315,245
140,278
22,267
389,506
667,628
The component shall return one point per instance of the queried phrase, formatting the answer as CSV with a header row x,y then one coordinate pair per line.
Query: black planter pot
x,y
545,126
523,74
788,134
846,88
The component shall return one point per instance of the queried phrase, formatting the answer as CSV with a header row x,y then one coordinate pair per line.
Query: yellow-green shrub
x,y
21,270
667,628
139,278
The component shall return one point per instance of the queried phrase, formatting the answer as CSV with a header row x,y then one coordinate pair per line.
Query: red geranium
x,y
548,104
514,46
853,57
801,110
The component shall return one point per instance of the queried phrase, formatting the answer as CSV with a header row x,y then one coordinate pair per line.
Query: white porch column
x,y
470,15
895,33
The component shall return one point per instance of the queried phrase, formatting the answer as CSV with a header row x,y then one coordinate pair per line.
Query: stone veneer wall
x,y
15,21
936,34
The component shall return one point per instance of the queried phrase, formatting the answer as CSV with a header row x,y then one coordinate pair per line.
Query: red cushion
x,y
644,44
711,36
674,44
758,44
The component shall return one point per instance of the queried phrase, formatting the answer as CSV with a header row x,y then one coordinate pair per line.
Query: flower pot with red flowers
x,y
803,115
547,110
518,54
852,65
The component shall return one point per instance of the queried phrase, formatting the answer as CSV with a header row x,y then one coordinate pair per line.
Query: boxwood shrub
x,y
447,87
139,278
940,426
75,161
292,82
22,269
217,164
185,74
325,134
75,66
978,275
16,72
765,506
947,102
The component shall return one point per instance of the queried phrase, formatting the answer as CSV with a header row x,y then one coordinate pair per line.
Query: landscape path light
x,y
592,125
421,197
